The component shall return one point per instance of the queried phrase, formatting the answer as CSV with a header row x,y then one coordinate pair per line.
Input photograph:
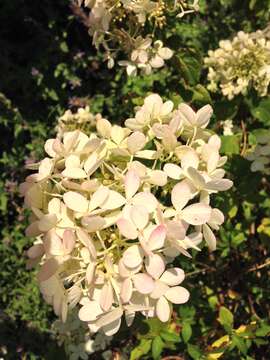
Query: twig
x,y
258,267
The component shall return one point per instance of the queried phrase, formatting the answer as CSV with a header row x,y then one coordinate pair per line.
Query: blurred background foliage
x,y
48,65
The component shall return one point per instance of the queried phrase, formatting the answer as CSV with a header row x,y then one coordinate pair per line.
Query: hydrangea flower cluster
x,y
128,26
260,156
112,209
240,64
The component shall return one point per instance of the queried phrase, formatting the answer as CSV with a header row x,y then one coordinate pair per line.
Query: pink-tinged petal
x,y
53,244
127,229
99,197
196,178
197,214
181,194
219,185
33,229
173,171
126,290
106,296
110,317
157,238
47,270
155,265
139,216
143,283
173,276
47,222
159,290
163,309
133,256
132,183
114,201
136,142
68,241
90,311
147,200
209,237
187,115
93,223
176,230
35,251
90,272
177,295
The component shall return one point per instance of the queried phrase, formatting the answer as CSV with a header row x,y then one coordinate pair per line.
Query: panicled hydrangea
x,y
260,156
129,25
111,210
240,64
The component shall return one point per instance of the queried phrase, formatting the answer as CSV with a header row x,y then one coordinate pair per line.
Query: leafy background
x,y
47,65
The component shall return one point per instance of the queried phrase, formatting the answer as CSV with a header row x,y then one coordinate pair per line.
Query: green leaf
x,y
262,111
169,336
195,352
263,330
142,349
186,332
225,318
157,347
230,144
239,343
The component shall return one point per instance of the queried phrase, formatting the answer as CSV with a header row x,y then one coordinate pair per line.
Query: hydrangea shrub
x,y
112,209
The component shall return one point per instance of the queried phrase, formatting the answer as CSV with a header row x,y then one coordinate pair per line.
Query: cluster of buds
x,y
83,119
260,156
120,26
240,64
111,210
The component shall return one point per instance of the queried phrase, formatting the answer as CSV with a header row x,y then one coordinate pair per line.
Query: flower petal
x,y
177,295
143,283
157,238
181,194
127,229
114,201
173,276
209,237
139,216
133,256
132,183
163,309
196,214
155,265
76,201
